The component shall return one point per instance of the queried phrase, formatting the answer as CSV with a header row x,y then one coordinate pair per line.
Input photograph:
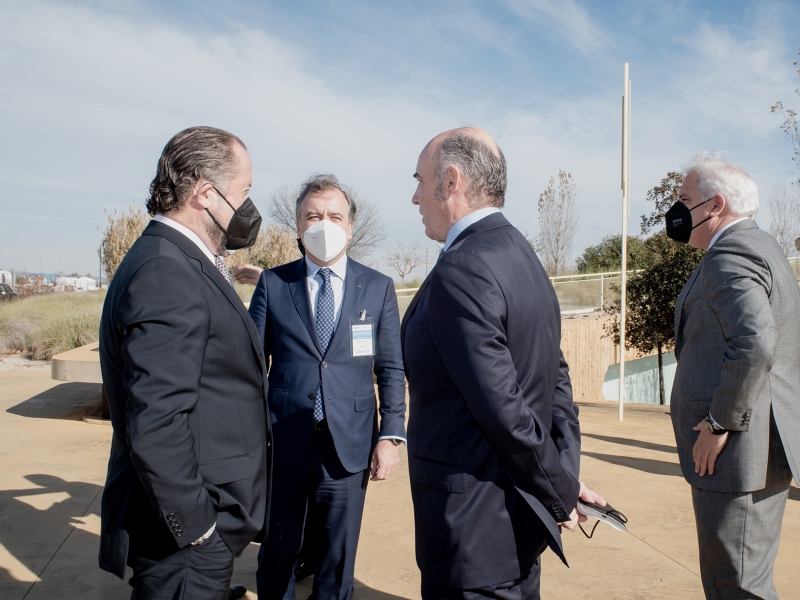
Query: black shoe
x,y
237,591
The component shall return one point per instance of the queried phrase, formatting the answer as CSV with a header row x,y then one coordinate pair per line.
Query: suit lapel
x,y
210,270
299,291
679,305
352,293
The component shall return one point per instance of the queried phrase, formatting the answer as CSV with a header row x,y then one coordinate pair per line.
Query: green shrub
x,y
47,324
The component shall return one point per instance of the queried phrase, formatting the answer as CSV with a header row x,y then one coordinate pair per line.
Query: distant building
x,y
6,277
75,284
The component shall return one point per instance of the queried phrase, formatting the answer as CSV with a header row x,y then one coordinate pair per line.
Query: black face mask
x,y
679,221
245,224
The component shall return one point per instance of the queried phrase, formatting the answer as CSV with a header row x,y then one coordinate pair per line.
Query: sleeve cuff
x,y
402,440
205,536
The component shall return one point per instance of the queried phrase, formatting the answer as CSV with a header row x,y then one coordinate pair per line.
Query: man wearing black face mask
x,y
734,399
183,367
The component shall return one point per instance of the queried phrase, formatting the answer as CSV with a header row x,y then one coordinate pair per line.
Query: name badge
x,y
362,338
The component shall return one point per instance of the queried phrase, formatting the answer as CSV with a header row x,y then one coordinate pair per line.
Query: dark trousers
x,y
526,588
192,573
338,507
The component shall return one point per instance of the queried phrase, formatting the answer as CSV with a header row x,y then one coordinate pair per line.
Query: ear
x,y
720,204
451,182
349,230
203,193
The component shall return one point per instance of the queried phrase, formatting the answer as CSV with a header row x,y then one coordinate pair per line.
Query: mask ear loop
x,y
614,513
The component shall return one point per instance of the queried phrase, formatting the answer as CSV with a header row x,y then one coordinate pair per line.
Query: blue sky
x,y
93,90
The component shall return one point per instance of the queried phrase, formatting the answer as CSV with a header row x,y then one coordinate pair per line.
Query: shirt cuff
x,y
402,440
206,535
714,423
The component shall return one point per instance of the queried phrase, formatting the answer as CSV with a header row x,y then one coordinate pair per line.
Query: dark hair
x,y
321,183
484,171
191,155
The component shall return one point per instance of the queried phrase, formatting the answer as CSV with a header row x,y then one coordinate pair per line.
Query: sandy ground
x,y
52,469
22,362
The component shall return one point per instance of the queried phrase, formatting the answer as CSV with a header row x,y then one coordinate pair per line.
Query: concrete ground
x,y
52,468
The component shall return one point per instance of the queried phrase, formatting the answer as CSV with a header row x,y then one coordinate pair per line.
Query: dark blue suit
x,y
494,441
307,462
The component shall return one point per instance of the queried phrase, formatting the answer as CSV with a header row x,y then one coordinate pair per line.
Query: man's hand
x,y
706,449
575,517
385,459
248,274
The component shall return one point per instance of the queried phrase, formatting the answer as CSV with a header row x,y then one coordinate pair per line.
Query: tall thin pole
x,y
626,173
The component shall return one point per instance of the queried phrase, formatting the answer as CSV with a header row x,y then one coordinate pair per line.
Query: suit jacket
x,y
185,378
282,313
737,342
494,441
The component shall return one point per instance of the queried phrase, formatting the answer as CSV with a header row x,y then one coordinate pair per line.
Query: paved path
x,y
52,467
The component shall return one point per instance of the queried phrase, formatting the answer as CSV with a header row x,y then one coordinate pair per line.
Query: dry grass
x,y
46,324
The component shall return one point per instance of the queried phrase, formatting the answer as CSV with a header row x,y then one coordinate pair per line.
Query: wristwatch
x,y
712,427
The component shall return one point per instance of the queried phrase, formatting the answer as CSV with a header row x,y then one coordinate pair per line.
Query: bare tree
x,y
404,258
791,128
119,234
276,245
367,228
558,222
785,216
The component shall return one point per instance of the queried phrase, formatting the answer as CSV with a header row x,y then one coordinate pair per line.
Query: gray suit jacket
x,y
737,341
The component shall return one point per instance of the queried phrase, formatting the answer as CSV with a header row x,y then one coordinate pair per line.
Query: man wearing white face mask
x,y
327,323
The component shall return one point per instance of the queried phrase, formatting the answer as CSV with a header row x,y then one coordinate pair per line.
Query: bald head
x,y
476,156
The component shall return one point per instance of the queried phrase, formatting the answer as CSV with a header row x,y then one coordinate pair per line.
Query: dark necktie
x,y
325,315
223,269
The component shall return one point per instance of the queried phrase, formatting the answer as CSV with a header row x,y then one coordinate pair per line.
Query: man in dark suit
x,y
494,439
184,371
328,323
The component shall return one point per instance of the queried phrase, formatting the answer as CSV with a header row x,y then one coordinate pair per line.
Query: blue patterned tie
x,y
325,320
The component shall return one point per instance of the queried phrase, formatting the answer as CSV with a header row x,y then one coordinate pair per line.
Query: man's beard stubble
x,y
216,235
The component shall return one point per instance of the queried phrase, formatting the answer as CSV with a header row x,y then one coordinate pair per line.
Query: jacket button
x,y
312,396
178,534
324,365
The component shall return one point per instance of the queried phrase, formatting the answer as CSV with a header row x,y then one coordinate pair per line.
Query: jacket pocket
x,y
278,397
365,402
438,475
226,470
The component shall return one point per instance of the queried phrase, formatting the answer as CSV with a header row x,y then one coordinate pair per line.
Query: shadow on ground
x,y
648,465
68,401
634,443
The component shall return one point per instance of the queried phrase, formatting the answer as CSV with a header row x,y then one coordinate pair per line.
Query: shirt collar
x,y
459,226
721,231
339,268
188,233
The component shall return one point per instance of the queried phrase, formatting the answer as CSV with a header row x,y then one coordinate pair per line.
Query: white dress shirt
x,y
314,281
464,222
720,232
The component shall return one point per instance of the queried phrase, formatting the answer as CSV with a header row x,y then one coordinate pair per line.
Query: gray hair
x,y
718,176
484,171
194,154
322,182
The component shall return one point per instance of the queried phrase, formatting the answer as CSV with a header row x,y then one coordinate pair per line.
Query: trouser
x,y
525,588
338,507
738,534
192,573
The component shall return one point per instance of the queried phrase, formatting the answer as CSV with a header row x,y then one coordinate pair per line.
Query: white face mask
x,y
324,240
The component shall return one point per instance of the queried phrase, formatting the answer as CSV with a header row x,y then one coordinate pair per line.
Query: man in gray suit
x,y
735,405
